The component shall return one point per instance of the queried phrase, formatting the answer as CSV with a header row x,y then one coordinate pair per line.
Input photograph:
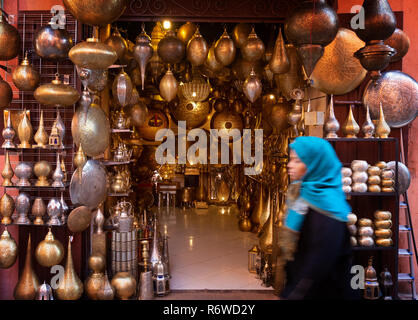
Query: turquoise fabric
x,y
321,187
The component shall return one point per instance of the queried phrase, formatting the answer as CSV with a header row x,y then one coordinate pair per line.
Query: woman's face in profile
x,y
296,168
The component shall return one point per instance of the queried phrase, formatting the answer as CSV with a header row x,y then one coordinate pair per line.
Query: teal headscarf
x,y
321,186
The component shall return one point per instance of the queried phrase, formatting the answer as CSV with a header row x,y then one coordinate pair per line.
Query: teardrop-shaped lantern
x,y
211,62
93,54
197,49
142,53
28,283
279,62
122,89
52,43
70,286
253,48
117,43
50,251
168,86
25,77
225,49
252,87
8,250
312,26
10,41
186,32
56,93
171,49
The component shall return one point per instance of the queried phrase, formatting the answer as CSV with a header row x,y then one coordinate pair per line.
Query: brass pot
x,y
155,121
42,170
70,286
171,49
117,43
197,49
91,130
225,49
6,94
52,43
383,224
50,251
25,77
254,48
93,54
96,12
124,284
56,94
8,250
122,89
194,113
398,93
375,57
399,41
7,207
240,34
10,40
186,32
338,71
38,211
28,283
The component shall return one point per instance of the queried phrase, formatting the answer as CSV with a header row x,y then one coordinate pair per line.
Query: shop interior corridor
x,y
207,250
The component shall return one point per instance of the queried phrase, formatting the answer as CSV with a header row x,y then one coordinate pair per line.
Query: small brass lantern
x,y
253,253
371,286
54,138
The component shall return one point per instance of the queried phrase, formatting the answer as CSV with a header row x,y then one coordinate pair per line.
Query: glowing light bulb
x,y
167,24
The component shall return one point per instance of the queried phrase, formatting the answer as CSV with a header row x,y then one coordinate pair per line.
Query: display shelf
x,y
390,139
35,225
373,248
37,188
373,194
39,148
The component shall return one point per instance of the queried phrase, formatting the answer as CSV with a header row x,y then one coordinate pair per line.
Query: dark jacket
x,y
321,268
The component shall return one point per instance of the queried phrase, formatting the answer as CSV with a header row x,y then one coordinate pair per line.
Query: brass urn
x,y
42,170
8,250
38,211
25,77
96,280
24,131
50,43
96,12
41,136
124,284
56,93
50,251
7,172
28,283
70,286
10,41
7,207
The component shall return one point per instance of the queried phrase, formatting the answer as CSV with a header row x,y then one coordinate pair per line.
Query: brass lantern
x,y
371,286
253,253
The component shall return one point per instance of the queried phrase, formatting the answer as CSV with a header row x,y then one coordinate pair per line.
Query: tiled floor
x,y
207,251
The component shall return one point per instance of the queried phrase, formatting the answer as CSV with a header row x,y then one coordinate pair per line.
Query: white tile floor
x,y
207,250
